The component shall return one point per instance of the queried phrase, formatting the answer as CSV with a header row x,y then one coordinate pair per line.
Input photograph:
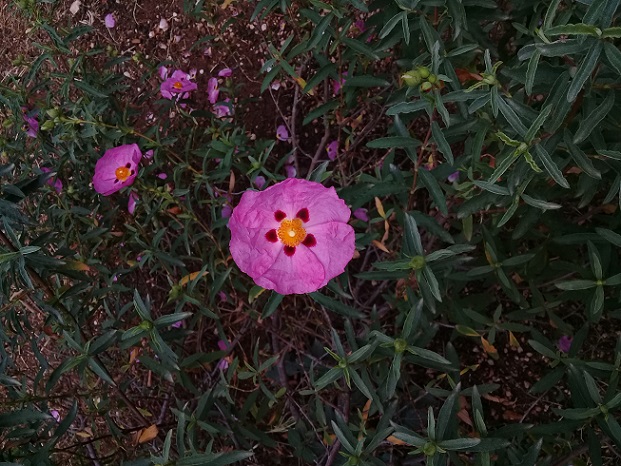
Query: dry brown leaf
x,y
379,245
188,278
395,441
513,341
146,435
380,208
509,415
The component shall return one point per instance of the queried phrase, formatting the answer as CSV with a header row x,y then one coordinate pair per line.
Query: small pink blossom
x,y
162,176
177,324
109,21
212,90
259,182
333,149
225,73
148,154
282,134
337,84
223,364
293,237
223,109
131,203
453,177
178,85
116,169
53,181
564,343
361,214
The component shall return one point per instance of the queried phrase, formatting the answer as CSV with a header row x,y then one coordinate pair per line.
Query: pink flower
x,y
162,176
333,149
222,296
336,85
222,110
360,25
178,84
225,73
290,170
293,237
282,134
55,414
564,343
32,125
453,177
53,181
227,210
259,182
110,21
223,364
131,203
212,90
163,72
116,169
361,214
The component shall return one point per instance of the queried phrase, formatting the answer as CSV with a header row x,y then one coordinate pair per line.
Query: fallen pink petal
x,y
131,203
163,72
293,237
453,177
282,133
223,109
212,90
225,73
178,85
54,182
333,149
32,125
162,176
361,214
55,414
109,21
116,169
338,83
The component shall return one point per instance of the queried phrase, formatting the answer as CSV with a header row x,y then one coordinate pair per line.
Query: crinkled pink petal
x,y
361,214
105,169
109,21
131,203
212,90
333,149
225,73
310,267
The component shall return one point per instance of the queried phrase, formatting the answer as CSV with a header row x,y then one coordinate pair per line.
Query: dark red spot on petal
x,y
132,173
303,215
289,250
271,236
309,241
128,165
279,215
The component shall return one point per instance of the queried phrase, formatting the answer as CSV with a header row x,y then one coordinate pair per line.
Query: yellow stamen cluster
x,y
122,173
291,232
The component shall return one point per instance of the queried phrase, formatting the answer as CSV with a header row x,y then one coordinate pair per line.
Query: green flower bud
x,y
432,79
417,262
429,449
411,78
423,71
400,345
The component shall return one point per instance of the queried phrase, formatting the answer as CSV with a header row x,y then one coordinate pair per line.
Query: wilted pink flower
x,y
227,210
290,170
223,109
333,149
177,324
178,84
55,414
564,343
222,296
225,73
54,182
360,25
453,177
131,203
163,72
293,237
275,85
259,182
361,214
337,84
148,154
32,125
116,169
212,90
282,134
110,21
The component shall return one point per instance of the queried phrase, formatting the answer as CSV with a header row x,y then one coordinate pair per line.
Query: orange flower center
x,y
122,173
178,85
291,232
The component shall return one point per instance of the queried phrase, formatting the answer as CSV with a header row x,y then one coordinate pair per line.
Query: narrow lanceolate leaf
x,y
578,29
512,117
429,182
538,123
610,236
581,158
540,204
613,54
594,118
574,285
550,166
441,142
531,71
584,71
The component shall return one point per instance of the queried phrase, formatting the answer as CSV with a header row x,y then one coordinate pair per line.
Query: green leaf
x,y
409,107
492,188
84,86
459,444
578,29
511,117
22,416
597,302
550,166
613,54
581,159
446,415
531,71
272,304
413,242
540,204
429,182
613,32
393,142
537,124
361,48
319,77
574,285
610,236
336,306
432,281
390,24
441,142
365,81
547,352
584,71
612,154
211,459
589,122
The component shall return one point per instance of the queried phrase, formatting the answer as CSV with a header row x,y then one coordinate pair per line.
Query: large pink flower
x,y
116,169
178,84
293,237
